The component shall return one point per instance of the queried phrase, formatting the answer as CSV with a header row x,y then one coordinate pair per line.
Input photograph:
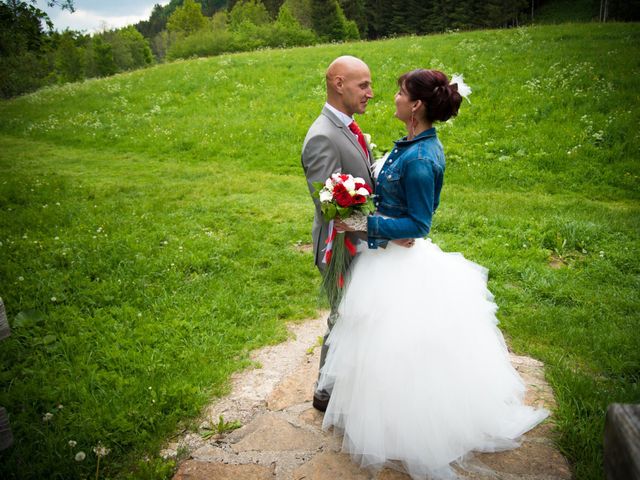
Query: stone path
x,y
282,438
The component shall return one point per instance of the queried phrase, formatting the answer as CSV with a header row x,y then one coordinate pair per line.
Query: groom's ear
x,y
338,82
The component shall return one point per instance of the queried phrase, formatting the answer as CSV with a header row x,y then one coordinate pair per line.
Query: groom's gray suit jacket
x,y
330,147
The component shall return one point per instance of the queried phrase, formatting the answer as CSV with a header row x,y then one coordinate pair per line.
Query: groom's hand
x,y
405,242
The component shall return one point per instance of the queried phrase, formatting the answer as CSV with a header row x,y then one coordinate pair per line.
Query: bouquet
x,y
340,197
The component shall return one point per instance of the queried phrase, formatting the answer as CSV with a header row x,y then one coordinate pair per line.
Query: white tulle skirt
x,y
419,371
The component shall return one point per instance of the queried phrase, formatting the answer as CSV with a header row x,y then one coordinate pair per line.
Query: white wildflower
x,y
80,456
100,450
47,416
72,443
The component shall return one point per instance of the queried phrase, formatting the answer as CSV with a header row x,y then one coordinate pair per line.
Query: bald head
x,y
344,66
348,84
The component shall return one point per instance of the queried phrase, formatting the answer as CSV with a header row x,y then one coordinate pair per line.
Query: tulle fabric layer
x,y
419,372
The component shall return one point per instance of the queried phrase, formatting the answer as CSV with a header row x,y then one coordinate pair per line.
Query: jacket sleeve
x,y
419,186
320,159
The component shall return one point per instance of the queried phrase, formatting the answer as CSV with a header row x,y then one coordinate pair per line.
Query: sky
x,y
92,15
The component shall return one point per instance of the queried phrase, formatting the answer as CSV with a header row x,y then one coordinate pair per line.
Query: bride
x,y
419,372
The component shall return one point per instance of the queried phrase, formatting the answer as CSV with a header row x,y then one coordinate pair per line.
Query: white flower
x,y
328,184
72,443
53,299
80,456
362,191
358,180
47,416
100,450
325,195
350,185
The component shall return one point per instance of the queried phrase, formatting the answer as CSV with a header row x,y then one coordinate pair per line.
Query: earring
x,y
412,128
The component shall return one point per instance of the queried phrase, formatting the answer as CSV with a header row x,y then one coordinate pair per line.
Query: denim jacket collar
x,y
403,142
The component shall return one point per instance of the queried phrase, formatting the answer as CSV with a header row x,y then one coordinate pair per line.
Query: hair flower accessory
x,y
463,89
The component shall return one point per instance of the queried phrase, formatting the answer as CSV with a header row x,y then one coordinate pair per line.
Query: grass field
x,y
149,225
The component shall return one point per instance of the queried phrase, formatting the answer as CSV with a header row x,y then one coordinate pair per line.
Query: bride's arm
x,y
419,185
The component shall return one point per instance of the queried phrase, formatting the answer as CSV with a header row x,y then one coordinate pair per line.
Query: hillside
x,y
150,225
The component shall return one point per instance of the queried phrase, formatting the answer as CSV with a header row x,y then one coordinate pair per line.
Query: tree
x,y
156,23
301,10
220,20
251,11
210,7
330,23
103,61
378,19
355,10
21,28
69,57
187,19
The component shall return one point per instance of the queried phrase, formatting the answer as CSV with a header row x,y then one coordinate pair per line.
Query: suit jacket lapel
x,y
352,138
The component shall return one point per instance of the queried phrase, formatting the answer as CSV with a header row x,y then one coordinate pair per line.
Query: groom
x,y
334,143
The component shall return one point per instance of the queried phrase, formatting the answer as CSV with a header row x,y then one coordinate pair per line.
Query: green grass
x,y
162,209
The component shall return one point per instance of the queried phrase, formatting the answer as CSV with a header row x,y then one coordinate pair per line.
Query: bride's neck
x,y
416,129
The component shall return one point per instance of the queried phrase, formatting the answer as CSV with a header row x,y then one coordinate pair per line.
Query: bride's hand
x,y
340,226
357,222
405,242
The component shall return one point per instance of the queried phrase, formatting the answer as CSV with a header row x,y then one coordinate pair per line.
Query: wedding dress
x,y
419,371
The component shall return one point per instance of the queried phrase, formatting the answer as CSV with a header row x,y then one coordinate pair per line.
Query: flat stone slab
x,y
330,466
273,433
194,470
282,436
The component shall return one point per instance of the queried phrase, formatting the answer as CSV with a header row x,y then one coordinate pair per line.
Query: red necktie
x,y
353,126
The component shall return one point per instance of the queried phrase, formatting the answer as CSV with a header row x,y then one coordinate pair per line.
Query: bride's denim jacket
x,y
407,190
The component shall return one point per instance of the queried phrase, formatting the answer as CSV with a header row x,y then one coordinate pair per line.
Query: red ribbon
x,y
350,246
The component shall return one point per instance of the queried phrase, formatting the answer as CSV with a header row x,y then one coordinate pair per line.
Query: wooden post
x,y
622,442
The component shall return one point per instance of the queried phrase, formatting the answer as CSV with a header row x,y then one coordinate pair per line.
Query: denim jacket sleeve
x,y
418,181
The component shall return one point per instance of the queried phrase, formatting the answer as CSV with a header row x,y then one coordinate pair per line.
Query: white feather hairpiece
x,y
463,89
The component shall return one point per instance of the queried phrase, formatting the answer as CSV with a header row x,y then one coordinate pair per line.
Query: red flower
x,y
342,196
358,199
365,186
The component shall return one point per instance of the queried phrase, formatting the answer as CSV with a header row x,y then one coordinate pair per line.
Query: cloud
x,y
94,16
93,22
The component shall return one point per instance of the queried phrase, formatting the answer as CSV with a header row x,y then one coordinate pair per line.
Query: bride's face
x,y
403,105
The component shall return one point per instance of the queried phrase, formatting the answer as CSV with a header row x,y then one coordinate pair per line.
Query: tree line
x,y
32,54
